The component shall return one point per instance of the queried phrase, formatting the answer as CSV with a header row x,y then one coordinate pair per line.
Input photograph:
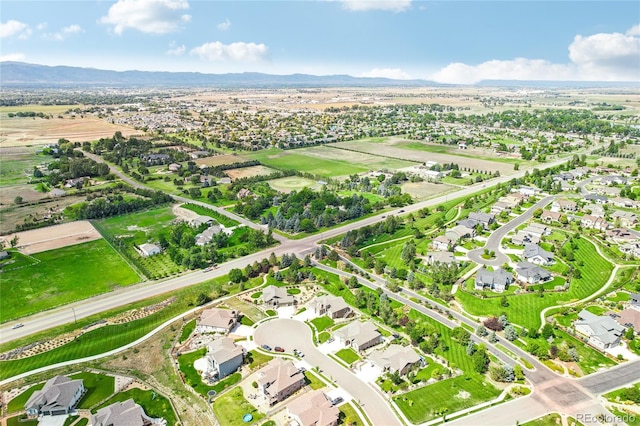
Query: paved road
x,y
290,334
582,184
493,242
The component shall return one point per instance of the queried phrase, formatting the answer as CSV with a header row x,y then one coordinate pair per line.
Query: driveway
x,y
290,334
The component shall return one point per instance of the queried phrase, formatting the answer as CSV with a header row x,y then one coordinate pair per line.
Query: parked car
x,y
298,353
337,400
266,347
278,349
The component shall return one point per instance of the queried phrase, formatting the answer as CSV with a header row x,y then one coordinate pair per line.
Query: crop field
x,y
23,131
247,172
293,183
410,151
61,276
325,161
524,309
220,160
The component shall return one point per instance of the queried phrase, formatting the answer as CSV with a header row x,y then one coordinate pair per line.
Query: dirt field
x,y
219,160
28,194
53,237
38,131
11,216
423,190
424,156
288,184
249,172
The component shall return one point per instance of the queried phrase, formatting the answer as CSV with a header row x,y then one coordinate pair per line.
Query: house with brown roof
x,y
564,205
313,409
396,359
58,396
125,413
593,222
359,335
216,320
625,219
279,379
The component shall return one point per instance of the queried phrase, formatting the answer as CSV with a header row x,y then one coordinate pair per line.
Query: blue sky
x,y
448,41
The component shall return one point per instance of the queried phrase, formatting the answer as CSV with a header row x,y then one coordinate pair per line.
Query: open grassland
x,y
62,276
247,172
325,161
140,227
154,405
110,337
524,309
221,160
11,216
232,406
411,153
293,183
17,163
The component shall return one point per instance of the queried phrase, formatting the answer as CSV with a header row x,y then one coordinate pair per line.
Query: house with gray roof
x,y
396,359
313,409
331,306
442,243
531,274
497,280
444,257
359,335
459,232
224,357
279,379
207,235
125,413
626,219
201,220
535,254
596,198
58,396
603,332
485,219
277,296
147,250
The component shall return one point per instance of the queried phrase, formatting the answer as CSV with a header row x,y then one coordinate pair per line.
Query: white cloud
x,y
390,5
176,50
598,57
17,57
13,28
147,16
42,26
65,32
224,26
235,52
633,31
393,73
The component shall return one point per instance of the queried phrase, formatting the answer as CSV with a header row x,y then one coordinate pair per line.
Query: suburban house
x,y
631,249
485,219
531,274
621,235
216,320
199,220
613,180
175,167
224,357
244,193
535,254
359,335
603,331
207,235
313,409
626,219
156,158
548,216
512,200
224,180
277,296
593,222
439,257
279,379
147,250
396,359
500,206
564,205
625,202
331,306
629,317
521,238
58,396
596,198
527,191
497,280
459,232
123,413
442,243
594,210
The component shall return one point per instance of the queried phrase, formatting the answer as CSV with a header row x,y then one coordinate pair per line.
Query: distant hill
x,y
23,74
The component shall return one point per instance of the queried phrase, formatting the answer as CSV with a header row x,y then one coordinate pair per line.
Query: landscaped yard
x,y
313,381
154,405
322,323
257,359
548,420
348,355
98,386
62,276
187,330
231,407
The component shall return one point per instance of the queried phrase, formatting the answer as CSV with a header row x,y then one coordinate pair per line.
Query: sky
x,y
459,42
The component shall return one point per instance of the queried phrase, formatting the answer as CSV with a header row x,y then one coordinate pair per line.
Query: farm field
x,y
17,164
11,216
325,161
220,160
54,237
246,172
140,227
61,276
424,190
410,153
293,183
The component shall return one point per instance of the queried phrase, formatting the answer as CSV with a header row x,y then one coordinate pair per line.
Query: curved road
x,y
291,334
493,242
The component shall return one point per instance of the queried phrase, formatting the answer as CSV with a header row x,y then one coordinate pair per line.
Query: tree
x,y
492,337
481,331
629,334
537,213
18,200
510,333
516,166
408,252
493,323
471,347
14,241
236,275
202,299
480,360
504,302
547,331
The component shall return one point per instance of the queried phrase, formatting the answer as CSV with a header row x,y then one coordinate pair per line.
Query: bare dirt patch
x,y
424,190
220,160
11,216
28,194
53,237
183,214
249,172
37,131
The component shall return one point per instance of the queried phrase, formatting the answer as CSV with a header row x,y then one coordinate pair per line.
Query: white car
x,y
18,325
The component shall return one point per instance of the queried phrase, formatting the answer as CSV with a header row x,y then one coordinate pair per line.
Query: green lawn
x,y
154,405
548,420
322,323
524,309
257,359
620,395
15,421
62,276
18,166
231,407
17,403
445,397
187,330
98,388
349,416
323,337
142,226
313,381
193,378
348,355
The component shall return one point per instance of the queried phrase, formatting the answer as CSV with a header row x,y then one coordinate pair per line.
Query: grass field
x,y
154,405
293,183
348,355
619,394
98,388
193,378
63,275
187,330
325,161
141,227
257,359
445,397
524,309
16,164
322,323
231,407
